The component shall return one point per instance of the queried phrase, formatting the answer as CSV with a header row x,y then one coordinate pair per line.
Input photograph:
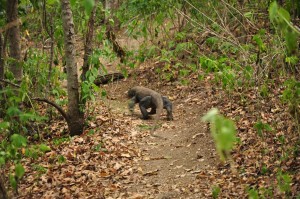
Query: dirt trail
x,y
171,160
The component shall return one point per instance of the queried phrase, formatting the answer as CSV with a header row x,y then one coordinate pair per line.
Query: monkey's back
x,y
142,92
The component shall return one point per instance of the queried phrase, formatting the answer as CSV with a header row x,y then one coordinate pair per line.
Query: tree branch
x,y
58,108
10,83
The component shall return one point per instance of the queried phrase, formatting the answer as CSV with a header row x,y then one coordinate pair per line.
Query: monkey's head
x,y
131,93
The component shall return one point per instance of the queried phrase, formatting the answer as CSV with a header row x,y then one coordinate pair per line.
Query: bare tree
x,y
14,39
76,116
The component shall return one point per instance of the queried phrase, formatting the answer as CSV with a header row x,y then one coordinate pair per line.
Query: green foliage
x,y
88,6
282,20
264,90
13,150
19,171
259,40
98,147
253,194
261,127
61,159
144,127
216,191
88,87
223,131
284,181
292,60
291,94
40,169
10,150
37,67
44,148
59,141
18,119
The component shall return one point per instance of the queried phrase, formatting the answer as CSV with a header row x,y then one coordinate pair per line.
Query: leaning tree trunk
x,y
76,116
14,39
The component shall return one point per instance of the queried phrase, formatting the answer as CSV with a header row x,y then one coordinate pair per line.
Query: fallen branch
x,y
108,78
10,83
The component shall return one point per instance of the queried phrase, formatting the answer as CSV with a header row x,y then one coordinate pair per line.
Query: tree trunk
x,y
1,58
76,116
88,42
14,40
108,8
3,193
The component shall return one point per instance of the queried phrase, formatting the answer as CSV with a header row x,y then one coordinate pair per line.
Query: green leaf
x,y
88,6
208,117
248,15
12,181
13,111
103,93
44,148
2,161
52,2
253,194
291,39
4,125
223,132
216,191
73,2
61,159
273,10
285,14
18,140
19,171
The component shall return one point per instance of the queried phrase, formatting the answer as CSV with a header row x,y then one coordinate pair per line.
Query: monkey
x,y
148,98
147,102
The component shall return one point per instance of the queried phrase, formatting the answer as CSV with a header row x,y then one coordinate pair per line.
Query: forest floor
x,y
181,149
117,157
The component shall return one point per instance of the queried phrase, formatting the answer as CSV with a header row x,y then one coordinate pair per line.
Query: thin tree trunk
x,y
14,40
1,58
3,193
48,26
2,101
88,42
76,116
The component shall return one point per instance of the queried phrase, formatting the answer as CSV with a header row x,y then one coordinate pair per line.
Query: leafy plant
x,y
282,20
61,159
253,194
40,169
261,127
216,191
59,141
13,150
291,96
284,181
223,131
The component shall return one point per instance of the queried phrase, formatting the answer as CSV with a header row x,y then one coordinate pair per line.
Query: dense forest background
x,y
60,58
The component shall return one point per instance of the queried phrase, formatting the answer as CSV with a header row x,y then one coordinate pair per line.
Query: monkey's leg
x,y
131,104
169,113
168,107
144,104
